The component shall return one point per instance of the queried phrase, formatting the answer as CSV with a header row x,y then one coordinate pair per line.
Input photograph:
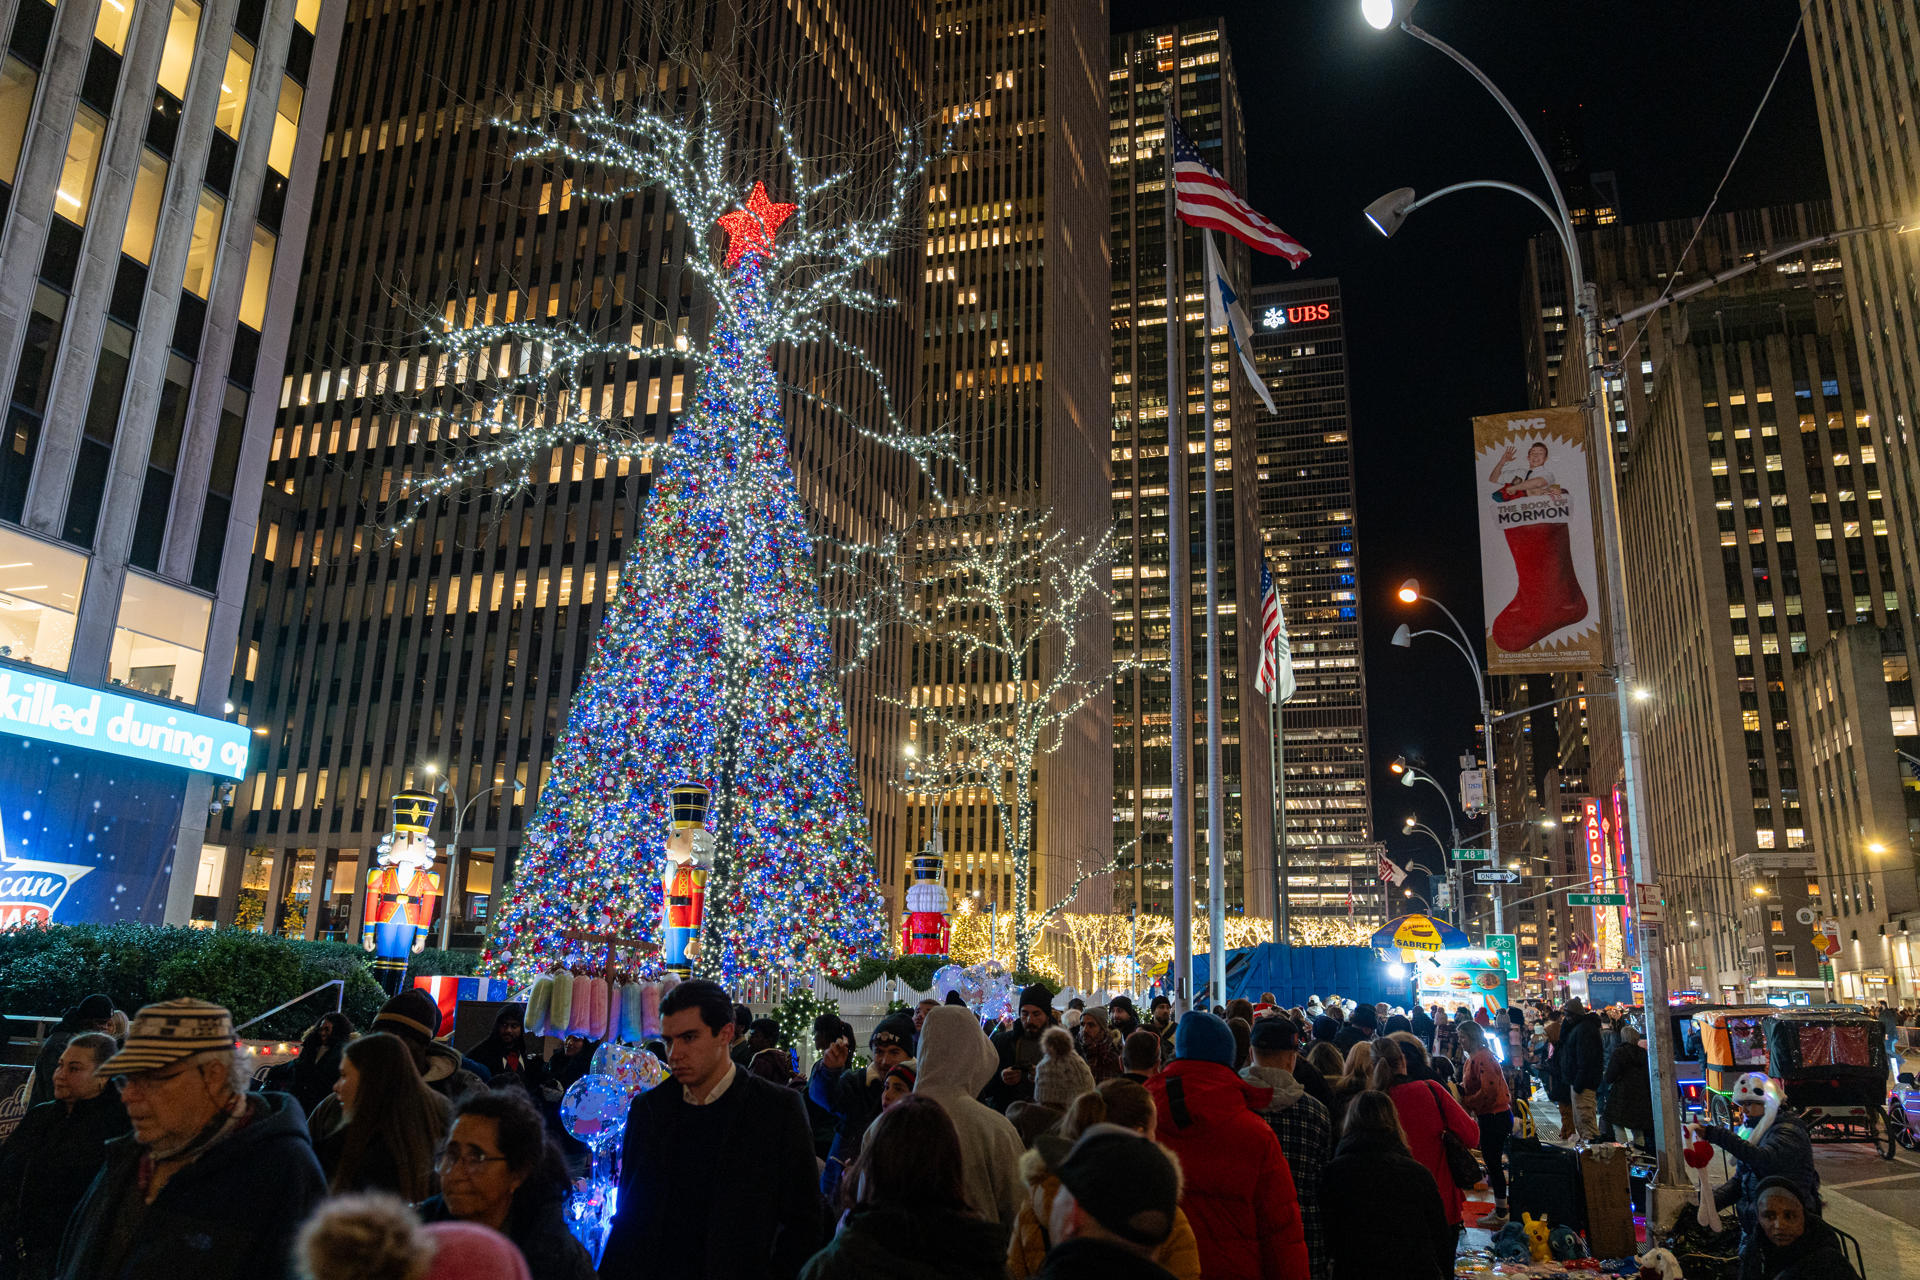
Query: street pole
x,y
1283,930
450,896
1216,803
1179,594
1632,767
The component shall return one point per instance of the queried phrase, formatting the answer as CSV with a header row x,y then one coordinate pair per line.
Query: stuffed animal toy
x,y
1698,1153
1566,1244
1537,1246
1659,1264
1511,1244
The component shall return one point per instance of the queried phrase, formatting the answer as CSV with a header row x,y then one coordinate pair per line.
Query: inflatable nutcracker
x,y
402,890
683,885
926,929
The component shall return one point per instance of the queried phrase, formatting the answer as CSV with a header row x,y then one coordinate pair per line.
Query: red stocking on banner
x,y
1548,596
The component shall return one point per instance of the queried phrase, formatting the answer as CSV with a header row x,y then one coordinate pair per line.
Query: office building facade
x,y
157,166
1309,527
457,647
1014,258
1192,61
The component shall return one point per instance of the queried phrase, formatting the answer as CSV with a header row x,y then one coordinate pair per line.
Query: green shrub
x,y
434,962
917,971
868,971
47,971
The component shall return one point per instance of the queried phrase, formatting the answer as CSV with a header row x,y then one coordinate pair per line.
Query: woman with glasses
x,y
392,1122
498,1169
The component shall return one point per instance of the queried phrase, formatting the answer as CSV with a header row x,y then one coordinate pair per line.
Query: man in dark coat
x,y
213,1182
854,1096
1422,1024
718,1179
1118,1197
506,1049
1019,1050
1361,1024
1776,1145
1582,1062
52,1158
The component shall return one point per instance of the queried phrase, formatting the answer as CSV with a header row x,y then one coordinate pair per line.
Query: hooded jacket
x,y
926,1243
1629,1092
1304,1127
1426,1110
1785,1150
1239,1191
230,1214
1816,1255
1179,1254
956,1062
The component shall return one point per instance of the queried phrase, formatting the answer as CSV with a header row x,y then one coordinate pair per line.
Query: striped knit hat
x,y
164,1033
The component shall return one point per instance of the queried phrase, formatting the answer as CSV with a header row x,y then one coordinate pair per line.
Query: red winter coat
x,y
1425,1109
1238,1189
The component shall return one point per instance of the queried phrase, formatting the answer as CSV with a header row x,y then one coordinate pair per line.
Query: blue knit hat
x,y
1205,1037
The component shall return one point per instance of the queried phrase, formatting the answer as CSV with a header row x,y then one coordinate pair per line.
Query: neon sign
x,y
1597,874
1305,313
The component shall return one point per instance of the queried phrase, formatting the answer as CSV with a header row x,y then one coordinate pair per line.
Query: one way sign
x,y
1496,877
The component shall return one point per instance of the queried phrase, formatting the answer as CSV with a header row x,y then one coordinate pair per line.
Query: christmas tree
x,y
713,664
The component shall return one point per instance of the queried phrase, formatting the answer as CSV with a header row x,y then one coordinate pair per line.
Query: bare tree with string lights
x,y
1002,604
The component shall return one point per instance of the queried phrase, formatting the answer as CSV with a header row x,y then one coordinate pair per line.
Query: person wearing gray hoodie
x,y
956,1062
1299,1120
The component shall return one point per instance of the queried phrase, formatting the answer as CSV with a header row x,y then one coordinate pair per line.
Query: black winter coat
x,y
538,1230
854,1101
230,1215
1785,1150
1815,1255
727,1191
1007,1042
1381,1214
927,1244
1581,1055
1629,1093
45,1170
1351,1035
1092,1259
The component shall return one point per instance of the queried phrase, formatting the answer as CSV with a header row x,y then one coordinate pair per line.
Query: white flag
x,y
1224,311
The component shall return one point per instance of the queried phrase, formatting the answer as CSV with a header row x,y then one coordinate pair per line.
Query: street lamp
x,y
1410,593
1380,13
446,788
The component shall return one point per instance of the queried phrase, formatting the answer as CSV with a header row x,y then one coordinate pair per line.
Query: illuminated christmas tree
x,y
713,664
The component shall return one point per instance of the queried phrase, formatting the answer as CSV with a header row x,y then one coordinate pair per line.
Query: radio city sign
x,y
55,711
1304,313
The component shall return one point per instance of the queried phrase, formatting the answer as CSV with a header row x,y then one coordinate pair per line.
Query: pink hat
x,y
469,1251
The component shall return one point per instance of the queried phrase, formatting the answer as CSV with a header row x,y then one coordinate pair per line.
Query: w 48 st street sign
x,y
1596,899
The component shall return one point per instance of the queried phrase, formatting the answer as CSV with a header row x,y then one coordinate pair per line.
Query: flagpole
x,y
1179,593
1282,932
1216,819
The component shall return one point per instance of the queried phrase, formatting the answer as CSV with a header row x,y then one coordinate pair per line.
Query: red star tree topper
x,y
751,230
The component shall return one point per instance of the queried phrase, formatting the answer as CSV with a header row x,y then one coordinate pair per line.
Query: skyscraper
x,y
157,166
1754,529
1013,264
1194,62
1308,522
449,656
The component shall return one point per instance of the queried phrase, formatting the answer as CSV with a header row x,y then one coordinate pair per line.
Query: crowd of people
x,y
1333,1141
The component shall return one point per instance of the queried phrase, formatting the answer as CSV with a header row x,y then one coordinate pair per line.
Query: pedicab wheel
x,y
1720,1109
1881,1130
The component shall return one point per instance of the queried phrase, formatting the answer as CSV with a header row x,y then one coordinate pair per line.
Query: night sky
x,y
1338,114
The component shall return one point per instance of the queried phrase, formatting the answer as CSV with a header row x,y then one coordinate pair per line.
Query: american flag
x,y
1203,198
1276,654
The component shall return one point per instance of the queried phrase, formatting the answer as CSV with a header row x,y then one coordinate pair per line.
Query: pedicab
x,y
1832,1063
1732,1041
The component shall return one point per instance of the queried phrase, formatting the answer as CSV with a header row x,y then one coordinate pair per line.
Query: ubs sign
x,y
1305,313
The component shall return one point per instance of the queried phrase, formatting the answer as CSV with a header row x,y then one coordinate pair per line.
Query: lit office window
x,y
159,639
143,215
39,594
286,126
206,244
253,297
17,81
75,193
177,58
307,13
233,87
110,28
